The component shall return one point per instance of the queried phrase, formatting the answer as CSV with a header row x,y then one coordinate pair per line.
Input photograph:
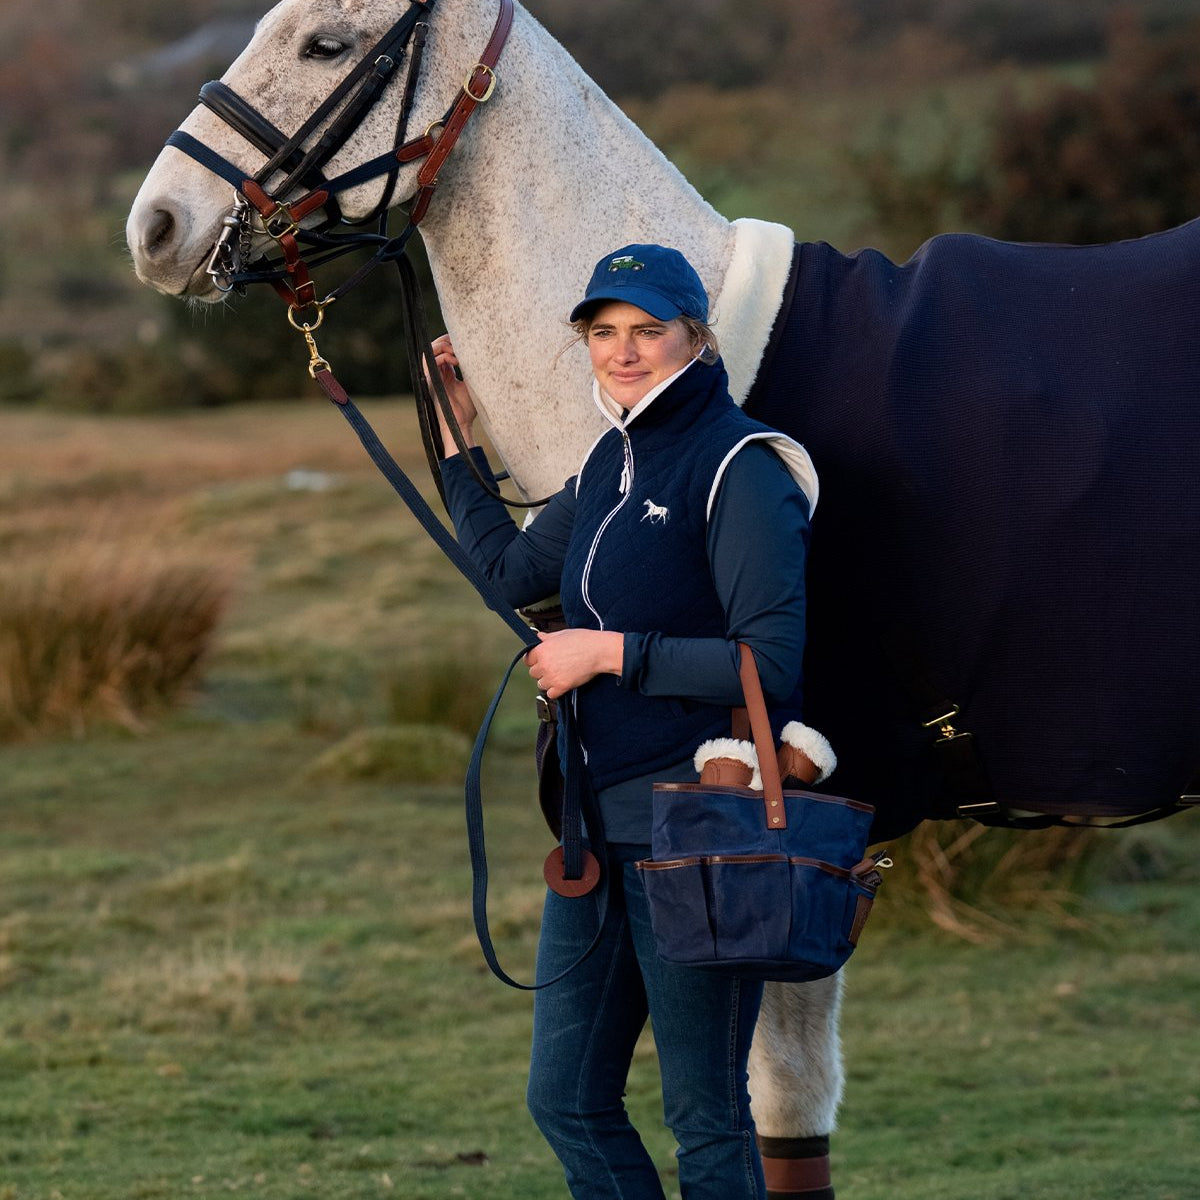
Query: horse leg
x,y
796,1083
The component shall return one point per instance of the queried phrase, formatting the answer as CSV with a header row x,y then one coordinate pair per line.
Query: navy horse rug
x,y
1005,564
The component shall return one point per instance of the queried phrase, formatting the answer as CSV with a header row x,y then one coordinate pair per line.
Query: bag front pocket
x,y
750,905
679,909
823,912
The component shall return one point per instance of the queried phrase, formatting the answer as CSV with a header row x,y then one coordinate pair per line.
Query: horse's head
x,y
301,52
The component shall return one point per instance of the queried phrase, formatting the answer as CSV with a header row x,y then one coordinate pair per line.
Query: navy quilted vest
x,y
637,562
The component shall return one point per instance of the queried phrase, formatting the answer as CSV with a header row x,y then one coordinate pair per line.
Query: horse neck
x,y
550,176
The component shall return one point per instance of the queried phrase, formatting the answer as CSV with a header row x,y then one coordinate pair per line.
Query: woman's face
x,y
632,352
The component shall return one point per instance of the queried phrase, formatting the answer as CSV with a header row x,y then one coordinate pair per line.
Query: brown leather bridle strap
x,y
476,91
301,291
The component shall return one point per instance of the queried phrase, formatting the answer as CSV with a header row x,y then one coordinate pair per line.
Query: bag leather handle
x,y
764,741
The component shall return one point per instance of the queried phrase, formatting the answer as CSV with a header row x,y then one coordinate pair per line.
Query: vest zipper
x,y
625,488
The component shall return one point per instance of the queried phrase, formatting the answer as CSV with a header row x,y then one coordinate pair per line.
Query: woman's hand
x,y
569,658
458,393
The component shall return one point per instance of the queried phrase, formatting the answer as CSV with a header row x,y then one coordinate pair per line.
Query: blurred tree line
x,y
1116,158
86,98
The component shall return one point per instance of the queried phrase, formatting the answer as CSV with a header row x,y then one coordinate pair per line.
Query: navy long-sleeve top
x,y
756,539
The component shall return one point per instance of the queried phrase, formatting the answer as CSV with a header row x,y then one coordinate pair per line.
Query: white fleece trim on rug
x,y
744,310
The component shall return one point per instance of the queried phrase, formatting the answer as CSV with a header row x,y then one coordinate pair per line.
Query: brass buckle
x,y
944,719
280,224
943,724
979,810
491,85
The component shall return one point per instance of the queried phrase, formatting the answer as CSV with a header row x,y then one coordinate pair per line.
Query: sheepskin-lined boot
x,y
805,756
726,762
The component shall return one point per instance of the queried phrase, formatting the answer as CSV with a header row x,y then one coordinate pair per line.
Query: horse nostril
x,y
159,232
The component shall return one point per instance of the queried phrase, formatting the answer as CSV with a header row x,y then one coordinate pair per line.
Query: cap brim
x,y
659,307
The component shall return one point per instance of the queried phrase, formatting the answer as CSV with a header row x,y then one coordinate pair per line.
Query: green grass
x,y
226,972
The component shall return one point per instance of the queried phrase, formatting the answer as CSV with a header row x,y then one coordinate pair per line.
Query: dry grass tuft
x,y
984,885
206,987
400,753
97,632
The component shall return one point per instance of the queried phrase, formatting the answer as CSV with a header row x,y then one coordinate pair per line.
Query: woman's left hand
x,y
569,658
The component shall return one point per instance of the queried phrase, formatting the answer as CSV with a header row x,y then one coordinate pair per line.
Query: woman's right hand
x,y
458,393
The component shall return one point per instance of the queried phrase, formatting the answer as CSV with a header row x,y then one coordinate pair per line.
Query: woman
x,y
683,533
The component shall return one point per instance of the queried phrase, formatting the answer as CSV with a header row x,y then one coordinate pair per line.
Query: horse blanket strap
x,y
966,790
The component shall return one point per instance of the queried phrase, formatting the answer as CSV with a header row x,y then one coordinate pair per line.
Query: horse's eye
x,y
324,46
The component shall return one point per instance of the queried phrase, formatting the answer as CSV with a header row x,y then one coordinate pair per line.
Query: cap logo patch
x,y
625,262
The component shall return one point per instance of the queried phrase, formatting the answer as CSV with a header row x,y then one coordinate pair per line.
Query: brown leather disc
x,y
553,872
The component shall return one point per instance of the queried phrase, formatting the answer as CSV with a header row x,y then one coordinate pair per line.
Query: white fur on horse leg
x,y
796,1073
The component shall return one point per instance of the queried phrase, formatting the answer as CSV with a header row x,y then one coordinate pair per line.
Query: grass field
x,y
228,967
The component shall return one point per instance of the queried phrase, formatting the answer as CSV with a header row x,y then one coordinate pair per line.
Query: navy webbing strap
x,y
420,509
578,804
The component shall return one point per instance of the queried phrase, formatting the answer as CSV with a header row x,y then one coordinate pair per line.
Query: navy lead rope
x,y
578,802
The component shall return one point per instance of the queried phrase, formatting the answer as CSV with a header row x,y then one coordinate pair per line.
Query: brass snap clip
x,y
315,362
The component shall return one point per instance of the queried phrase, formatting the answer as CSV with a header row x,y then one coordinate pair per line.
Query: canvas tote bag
x,y
768,884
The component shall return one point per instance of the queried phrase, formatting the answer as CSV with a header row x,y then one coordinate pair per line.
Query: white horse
x,y
547,177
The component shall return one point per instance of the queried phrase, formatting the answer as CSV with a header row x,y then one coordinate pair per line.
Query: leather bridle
x,y
302,164
302,157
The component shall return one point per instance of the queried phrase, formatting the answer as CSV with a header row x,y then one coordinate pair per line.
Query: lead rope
x,y
570,870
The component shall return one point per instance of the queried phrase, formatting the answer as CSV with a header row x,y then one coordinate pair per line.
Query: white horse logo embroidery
x,y
656,514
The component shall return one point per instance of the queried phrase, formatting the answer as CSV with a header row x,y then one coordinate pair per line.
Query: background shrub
x,y
983,885
1116,160
102,634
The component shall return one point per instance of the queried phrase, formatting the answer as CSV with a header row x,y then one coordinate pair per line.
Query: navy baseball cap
x,y
654,278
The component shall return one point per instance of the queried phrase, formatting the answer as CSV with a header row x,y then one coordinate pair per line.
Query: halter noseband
x,y
302,164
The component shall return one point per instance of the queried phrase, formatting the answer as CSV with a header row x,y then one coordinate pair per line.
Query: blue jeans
x,y
585,1028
